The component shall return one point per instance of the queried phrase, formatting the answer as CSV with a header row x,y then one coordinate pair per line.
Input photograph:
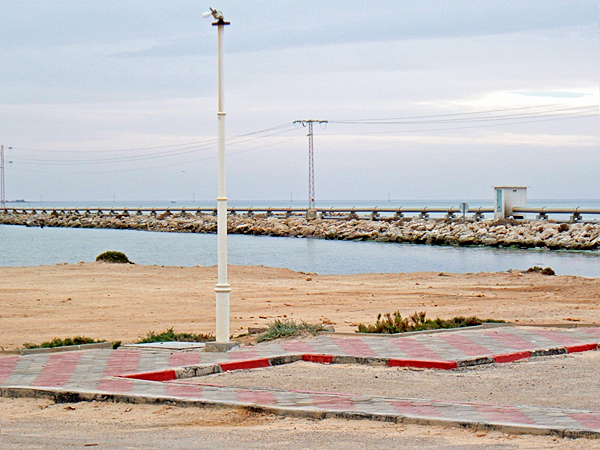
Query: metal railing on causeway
x,y
325,213
576,214
365,213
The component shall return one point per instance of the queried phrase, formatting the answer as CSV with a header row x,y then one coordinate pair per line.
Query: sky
x,y
427,99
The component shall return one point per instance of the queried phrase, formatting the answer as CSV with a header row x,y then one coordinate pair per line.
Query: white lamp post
x,y
222,288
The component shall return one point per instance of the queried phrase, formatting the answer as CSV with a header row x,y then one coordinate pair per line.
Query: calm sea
x,y
22,246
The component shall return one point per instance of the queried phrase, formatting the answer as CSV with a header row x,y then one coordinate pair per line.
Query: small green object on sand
x,y
113,257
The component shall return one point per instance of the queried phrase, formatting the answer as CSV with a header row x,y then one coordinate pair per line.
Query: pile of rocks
x,y
456,232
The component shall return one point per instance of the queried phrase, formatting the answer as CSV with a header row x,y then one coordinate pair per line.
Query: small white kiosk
x,y
507,197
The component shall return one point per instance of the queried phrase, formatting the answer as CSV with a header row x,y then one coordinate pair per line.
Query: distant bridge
x,y
576,214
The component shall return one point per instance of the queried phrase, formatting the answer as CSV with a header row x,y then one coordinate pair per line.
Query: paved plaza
x,y
163,376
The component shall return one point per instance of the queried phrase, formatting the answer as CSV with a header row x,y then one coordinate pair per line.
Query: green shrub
x,y
395,323
113,257
171,336
537,269
57,342
284,328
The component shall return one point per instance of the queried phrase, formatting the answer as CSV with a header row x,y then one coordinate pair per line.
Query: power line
x,y
162,165
440,119
203,142
489,111
487,125
157,155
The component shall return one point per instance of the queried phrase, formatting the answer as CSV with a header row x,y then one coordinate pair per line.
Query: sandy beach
x,y
124,302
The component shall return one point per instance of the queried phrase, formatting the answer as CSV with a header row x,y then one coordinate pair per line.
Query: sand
x,y
34,424
124,302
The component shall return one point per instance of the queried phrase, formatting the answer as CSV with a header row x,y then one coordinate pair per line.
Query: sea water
x,y
22,246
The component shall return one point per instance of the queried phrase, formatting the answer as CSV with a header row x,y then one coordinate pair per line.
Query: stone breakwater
x,y
503,233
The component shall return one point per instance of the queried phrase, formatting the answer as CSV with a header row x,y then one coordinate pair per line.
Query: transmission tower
x,y
3,191
311,158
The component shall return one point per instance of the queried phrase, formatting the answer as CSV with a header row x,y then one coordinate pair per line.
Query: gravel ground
x,y
569,381
28,424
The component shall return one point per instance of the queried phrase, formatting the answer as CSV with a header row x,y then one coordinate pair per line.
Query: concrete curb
x,y
67,348
248,364
65,396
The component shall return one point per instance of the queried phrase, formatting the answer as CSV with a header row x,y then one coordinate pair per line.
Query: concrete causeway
x,y
160,376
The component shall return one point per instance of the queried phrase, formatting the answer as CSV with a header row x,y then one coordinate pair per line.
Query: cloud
x,y
109,75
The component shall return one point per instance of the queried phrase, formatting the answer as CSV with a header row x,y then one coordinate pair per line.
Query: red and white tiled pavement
x,y
138,375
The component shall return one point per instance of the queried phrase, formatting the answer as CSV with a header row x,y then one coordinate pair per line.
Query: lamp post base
x,y
220,347
222,313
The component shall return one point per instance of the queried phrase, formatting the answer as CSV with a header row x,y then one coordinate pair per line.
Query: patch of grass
x,y
113,257
171,336
57,342
395,323
284,328
537,269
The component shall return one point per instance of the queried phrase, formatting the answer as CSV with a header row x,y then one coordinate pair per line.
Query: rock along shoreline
x,y
505,233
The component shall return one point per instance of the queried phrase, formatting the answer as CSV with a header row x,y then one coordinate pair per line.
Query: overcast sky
x,y
84,83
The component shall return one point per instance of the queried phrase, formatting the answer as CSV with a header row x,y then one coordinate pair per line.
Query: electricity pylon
x,y
311,158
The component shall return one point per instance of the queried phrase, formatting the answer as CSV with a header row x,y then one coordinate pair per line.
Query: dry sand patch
x,y
123,302
117,425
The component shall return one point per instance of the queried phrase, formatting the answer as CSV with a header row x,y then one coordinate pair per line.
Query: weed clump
x,y
171,336
395,323
113,257
57,342
545,271
285,328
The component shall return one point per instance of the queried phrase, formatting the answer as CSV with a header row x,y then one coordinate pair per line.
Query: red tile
x,y
179,390
558,337
122,362
7,365
587,419
510,340
260,397
58,369
115,385
416,408
354,347
415,349
180,359
504,414
333,402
